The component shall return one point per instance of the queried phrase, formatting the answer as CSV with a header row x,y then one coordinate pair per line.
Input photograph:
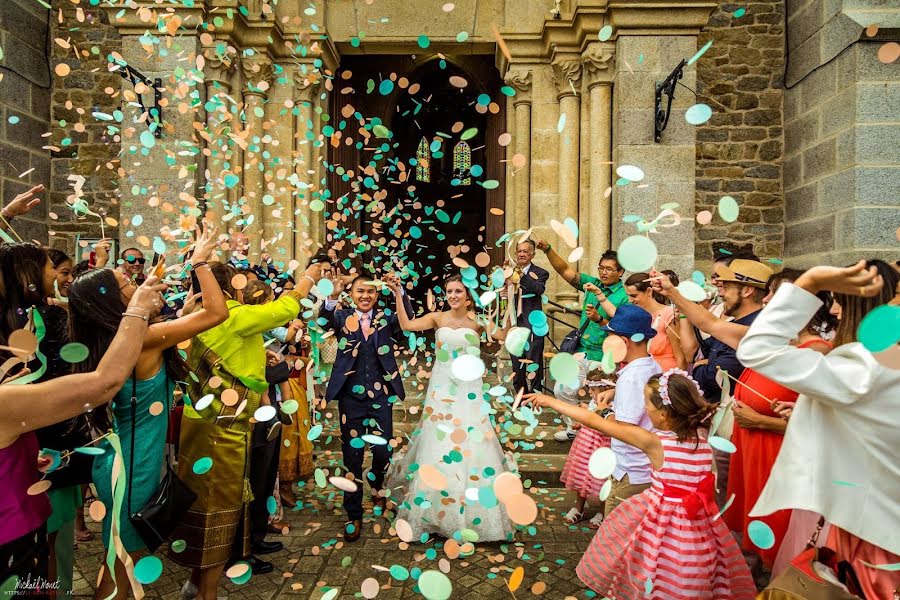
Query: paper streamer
x,y
115,548
39,331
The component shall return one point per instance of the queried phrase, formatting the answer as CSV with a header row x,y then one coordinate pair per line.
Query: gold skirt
x,y
223,434
295,459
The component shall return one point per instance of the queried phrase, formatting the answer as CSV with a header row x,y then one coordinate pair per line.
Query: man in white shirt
x,y
632,473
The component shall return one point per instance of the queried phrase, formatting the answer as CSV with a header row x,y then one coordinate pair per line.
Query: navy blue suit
x,y
532,284
365,381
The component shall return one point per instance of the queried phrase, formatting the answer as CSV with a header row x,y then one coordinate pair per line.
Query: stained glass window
x,y
423,162
462,163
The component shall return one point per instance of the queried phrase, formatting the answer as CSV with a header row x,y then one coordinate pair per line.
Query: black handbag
x,y
572,340
157,519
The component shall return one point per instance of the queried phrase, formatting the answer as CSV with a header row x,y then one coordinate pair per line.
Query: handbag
x,y
800,581
157,519
572,340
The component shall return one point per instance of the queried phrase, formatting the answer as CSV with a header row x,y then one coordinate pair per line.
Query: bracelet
x,y
131,314
682,316
311,280
202,263
549,248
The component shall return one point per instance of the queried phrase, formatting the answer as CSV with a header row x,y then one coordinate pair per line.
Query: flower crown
x,y
664,384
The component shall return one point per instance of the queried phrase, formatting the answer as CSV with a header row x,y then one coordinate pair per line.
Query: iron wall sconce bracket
x,y
667,87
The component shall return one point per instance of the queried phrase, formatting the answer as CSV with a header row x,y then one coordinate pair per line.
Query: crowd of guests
x,y
112,359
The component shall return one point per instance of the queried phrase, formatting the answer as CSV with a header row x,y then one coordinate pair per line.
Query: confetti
x,y
202,465
728,209
434,585
605,33
637,253
698,114
761,535
721,444
515,580
148,569
74,352
888,53
692,291
602,463
879,330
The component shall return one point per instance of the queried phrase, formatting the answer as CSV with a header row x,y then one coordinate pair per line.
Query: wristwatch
x,y
606,412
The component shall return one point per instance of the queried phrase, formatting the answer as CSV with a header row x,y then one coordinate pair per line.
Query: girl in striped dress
x,y
576,475
667,542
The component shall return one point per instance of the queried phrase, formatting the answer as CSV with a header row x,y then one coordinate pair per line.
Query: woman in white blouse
x,y
840,457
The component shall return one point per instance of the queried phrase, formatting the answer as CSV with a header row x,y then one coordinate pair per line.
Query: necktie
x,y
365,323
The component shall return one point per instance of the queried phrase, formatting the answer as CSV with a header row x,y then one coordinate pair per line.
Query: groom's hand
x,y
392,282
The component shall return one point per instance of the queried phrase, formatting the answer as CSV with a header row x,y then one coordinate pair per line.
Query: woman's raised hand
x,y
392,282
147,299
206,243
857,280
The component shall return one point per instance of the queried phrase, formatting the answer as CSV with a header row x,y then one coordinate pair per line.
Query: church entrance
x,y
425,180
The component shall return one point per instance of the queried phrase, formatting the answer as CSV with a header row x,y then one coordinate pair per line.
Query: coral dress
x,y
576,475
752,462
665,543
660,347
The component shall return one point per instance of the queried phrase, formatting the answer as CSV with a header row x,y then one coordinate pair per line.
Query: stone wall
x,y
24,108
740,149
83,144
842,132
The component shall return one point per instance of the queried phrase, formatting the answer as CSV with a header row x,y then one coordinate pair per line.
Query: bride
x,y
443,482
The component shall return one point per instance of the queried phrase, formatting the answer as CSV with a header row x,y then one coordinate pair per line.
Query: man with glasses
x,y
601,297
132,264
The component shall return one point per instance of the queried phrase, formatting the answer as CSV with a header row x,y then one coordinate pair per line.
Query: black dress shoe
x,y
352,530
265,547
259,567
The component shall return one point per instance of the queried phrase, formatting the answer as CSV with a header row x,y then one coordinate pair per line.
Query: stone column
x,y
595,213
305,181
278,206
567,75
517,212
218,149
257,76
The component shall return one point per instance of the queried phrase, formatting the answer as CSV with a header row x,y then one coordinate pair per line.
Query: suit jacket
x,y
388,333
533,285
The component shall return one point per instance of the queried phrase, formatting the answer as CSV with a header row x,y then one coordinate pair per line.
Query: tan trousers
x,y
622,490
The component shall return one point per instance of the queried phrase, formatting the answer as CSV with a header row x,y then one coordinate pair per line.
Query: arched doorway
x,y
415,200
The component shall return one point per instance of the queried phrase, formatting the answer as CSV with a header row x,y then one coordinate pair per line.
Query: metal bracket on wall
x,y
154,114
667,87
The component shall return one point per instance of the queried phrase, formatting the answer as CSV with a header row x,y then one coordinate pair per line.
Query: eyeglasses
x,y
139,261
607,269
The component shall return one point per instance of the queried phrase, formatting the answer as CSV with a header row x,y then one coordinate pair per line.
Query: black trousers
x,y
361,416
263,473
535,353
27,558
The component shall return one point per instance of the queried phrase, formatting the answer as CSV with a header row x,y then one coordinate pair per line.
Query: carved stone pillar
x,y
257,76
567,75
218,69
517,212
278,205
595,214
305,171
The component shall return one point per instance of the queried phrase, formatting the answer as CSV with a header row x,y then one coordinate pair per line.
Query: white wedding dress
x,y
456,438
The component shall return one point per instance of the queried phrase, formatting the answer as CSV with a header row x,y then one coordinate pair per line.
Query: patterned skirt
x,y
649,548
576,475
220,433
295,459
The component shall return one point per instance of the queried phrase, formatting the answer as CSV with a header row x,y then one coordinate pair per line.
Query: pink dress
x,y
660,347
576,475
665,543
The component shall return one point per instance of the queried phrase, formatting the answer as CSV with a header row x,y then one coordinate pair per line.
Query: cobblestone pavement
x,y
316,559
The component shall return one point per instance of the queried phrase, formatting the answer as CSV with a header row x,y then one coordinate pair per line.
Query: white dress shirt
x,y
841,451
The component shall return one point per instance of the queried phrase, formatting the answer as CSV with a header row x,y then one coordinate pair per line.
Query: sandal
x,y
596,521
573,516
83,536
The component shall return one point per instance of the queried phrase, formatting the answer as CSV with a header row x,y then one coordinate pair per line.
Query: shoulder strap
x,y
133,427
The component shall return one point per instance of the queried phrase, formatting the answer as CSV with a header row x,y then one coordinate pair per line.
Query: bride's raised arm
x,y
422,323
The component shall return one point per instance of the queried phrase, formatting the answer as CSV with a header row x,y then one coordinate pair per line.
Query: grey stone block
x,y
839,111
803,59
31,230
878,144
793,171
26,27
637,126
846,148
868,67
27,132
819,86
819,160
15,92
801,133
801,203
815,235
878,102
868,227
28,61
13,160
804,23
839,33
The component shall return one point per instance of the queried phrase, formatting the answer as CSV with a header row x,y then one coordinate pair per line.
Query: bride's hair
x,y
459,280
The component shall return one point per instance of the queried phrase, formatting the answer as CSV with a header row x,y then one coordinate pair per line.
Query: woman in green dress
x,y
229,363
96,302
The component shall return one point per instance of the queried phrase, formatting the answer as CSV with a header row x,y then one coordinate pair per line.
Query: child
x,y
666,539
576,475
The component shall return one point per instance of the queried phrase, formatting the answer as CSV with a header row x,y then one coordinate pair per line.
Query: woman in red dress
x,y
759,431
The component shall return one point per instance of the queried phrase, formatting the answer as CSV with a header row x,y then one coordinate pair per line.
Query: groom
x,y
365,380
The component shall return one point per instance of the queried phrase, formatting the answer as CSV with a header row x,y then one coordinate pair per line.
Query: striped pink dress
x,y
665,543
576,475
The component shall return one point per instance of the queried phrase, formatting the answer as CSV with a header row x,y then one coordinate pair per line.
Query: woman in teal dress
x,y
95,311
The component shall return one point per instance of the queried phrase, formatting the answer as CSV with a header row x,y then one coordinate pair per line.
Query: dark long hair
x,y
95,311
854,308
823,321
688,411
21,284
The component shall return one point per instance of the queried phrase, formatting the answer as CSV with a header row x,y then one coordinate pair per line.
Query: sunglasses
x,y
139,261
